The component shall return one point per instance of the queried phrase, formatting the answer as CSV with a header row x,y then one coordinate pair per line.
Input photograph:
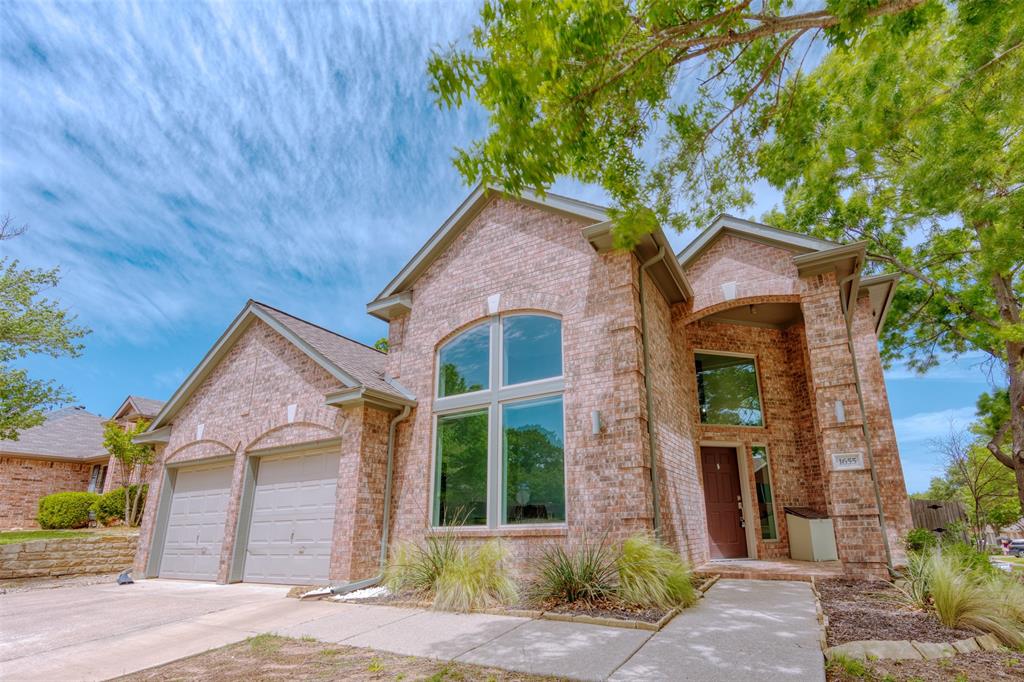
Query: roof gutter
x,y
848,304
385,521
652,445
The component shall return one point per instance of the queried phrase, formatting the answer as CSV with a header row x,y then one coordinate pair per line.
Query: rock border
x,y
881,649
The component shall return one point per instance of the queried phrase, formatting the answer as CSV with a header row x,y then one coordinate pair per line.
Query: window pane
x,y
532,347
460,489
534,470
464,362
763,481
727,390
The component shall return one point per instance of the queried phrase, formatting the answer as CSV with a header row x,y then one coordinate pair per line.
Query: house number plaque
x,y
847,461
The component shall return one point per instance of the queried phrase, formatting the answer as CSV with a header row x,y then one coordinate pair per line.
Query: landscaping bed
x,y
862,609
981,666
268,657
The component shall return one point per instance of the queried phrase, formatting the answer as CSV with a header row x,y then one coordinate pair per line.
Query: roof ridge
x,y
318,326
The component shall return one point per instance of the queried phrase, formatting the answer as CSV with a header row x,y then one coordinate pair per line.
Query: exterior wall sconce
x,y
595,422
840,411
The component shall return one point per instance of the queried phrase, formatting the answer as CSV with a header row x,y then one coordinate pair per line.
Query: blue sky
x,y
175,159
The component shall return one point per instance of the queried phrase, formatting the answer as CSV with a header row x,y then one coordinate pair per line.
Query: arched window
x,y
499,446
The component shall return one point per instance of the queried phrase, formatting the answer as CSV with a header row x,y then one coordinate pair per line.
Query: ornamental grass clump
x,y
653,575
585,573
456,577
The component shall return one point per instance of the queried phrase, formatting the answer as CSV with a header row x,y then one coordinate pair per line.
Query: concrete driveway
x,y
102,631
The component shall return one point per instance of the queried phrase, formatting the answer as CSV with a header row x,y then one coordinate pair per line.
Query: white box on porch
x,y
812,536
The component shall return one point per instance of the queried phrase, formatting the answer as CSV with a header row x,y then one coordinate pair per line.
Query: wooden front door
x,y
723,503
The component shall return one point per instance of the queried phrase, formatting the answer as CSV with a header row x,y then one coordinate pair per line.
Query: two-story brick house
x,y
542,387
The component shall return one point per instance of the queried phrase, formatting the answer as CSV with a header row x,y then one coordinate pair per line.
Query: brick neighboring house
x,y
134,409
534,375
63,453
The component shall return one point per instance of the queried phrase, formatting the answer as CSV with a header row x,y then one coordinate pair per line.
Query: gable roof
x,y
456,225
144,407
69,434
354,365
748,229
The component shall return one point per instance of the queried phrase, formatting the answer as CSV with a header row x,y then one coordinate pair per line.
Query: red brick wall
x,y
24,481
536,260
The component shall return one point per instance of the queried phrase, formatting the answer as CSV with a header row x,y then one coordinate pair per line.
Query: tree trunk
x,y
1009,311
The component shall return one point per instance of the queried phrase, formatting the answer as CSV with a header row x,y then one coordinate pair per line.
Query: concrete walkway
x,y
741,630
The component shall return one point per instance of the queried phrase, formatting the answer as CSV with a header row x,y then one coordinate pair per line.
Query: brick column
x,y
849,495
358,518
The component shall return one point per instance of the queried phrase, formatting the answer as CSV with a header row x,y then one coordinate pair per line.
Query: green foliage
x,y
586,573
10,537
31,324
651,574
920,539
381,344
476,578
133,461
65,510
109,508
456,576
851,667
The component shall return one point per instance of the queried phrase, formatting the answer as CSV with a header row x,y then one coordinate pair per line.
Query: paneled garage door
x,y
195,526
292,519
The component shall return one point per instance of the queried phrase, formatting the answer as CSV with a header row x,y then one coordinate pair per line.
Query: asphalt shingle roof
x,y
71,433
363,363
147,407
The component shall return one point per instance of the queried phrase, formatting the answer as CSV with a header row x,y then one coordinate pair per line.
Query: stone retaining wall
x,y
68,556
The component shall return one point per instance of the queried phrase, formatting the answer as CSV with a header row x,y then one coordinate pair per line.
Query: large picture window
x,y
727,390
499,447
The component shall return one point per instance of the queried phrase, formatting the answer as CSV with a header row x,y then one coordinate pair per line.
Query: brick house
x,y
65,453
534,374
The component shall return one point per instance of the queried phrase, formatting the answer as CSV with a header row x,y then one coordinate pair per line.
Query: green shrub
x,y
476,578
651,574
920,539
109,508
965,597
586,573
456,576
65,510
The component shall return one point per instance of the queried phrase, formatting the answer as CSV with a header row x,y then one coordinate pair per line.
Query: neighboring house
x,y
534,375
63,453
133,410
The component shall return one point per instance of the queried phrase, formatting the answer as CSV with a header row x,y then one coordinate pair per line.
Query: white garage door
x,y
292,519
195,526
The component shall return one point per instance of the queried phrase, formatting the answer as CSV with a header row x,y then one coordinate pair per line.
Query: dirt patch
x,y
46,583
982,666
609,609
268,657
862,609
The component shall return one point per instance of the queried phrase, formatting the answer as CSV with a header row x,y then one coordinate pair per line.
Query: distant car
x,y
1016,548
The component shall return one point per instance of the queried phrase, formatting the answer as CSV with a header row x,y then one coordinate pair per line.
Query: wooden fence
x,y
937,515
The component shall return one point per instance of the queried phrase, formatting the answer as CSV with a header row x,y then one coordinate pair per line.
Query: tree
x,y
133,461
381,344
987,488
30,324
908,134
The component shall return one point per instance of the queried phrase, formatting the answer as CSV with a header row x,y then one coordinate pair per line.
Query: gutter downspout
x,y
848,315
385,521
650,392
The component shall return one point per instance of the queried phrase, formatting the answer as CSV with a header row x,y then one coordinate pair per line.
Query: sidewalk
x,y
742,629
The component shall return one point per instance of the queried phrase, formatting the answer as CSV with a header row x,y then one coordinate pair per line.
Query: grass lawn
x,y
269,657
8,537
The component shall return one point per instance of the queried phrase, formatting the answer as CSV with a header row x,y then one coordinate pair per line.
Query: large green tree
x,y
29,324
898,123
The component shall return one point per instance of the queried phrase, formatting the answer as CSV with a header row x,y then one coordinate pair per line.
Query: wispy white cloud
x,y
974,366
924,426
177,158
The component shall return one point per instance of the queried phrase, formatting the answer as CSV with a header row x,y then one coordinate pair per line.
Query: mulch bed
x,y
982,666
862,609
609,608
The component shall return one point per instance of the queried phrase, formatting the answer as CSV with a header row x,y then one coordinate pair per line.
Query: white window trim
x,y
492,400
757,378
